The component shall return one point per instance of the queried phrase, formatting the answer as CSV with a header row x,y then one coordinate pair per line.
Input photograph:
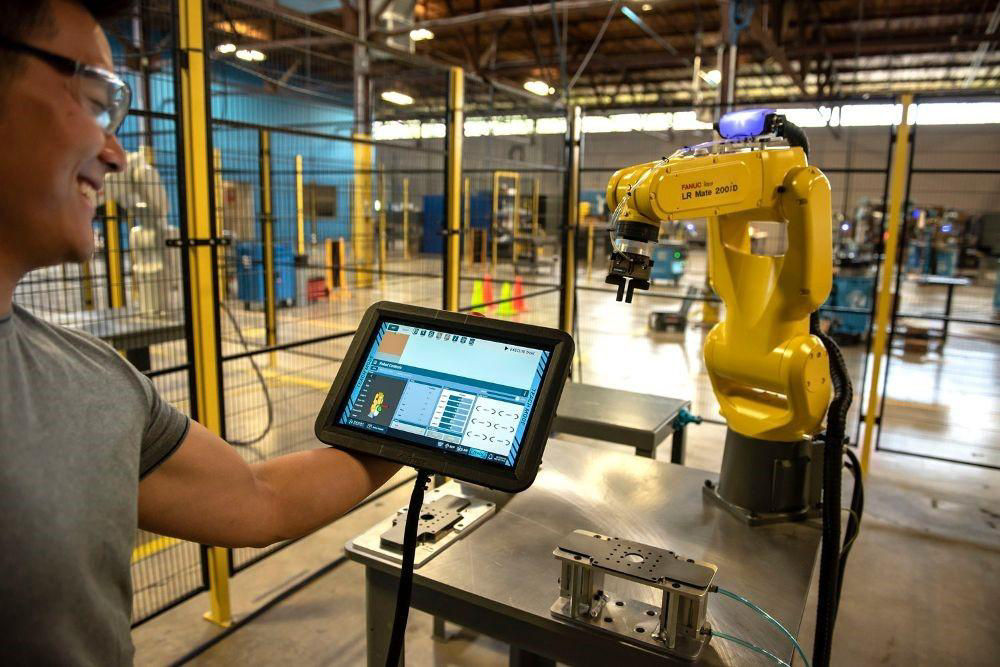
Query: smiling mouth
x,y
88,191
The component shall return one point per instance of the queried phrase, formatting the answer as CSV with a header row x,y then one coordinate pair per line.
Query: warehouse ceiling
x,y
631,54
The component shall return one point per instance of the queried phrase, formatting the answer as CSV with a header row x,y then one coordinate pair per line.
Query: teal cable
x,y
752,647
769,618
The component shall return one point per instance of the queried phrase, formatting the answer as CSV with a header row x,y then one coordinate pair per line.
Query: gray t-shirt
x,y
79,426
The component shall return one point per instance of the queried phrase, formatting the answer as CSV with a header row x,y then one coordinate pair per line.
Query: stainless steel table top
x,y
122,328
639,420
506,565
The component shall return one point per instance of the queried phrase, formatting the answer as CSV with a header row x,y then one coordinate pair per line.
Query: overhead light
x,y
228,47
420,34
712,77
397,97
646,7
251,55
538,87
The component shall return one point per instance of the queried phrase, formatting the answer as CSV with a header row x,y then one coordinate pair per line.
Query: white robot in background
x,y
140,190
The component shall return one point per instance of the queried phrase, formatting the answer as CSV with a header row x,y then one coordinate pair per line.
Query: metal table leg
x,y
678,443
947,315
439,632
380,608
522,658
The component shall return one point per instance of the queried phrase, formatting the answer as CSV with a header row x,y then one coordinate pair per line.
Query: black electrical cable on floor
x,y
405,589
260,378
857,510
833,463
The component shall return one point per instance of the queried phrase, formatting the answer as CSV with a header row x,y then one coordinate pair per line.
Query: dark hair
x,y
24,18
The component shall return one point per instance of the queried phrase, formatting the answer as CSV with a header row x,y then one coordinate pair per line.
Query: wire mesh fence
x,y
322,219
940,400
512,205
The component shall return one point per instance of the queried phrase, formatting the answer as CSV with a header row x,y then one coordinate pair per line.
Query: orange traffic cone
x,y
519,304
488,292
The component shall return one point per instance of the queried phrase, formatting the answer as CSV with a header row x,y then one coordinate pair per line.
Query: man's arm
x,y
205,492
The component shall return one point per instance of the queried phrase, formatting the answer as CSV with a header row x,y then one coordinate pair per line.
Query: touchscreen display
x,y
465,395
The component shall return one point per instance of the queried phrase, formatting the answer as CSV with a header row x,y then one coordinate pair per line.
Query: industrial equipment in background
x,y
936,238
140,192
501,224
772,369
847,312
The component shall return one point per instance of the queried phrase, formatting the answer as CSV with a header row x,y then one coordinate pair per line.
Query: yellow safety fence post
x,y
453,186
468,246
383,243
267,237
219,219
300,209
406,218
363,227
113,243
900,159
202,292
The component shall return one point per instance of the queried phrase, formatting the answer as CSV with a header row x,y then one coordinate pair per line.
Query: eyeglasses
x,y
103,93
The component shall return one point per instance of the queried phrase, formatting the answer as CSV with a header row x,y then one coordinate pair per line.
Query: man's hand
x,y
205,492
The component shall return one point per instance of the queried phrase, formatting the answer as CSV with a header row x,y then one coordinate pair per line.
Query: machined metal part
x,y
452,514
676,627
436,519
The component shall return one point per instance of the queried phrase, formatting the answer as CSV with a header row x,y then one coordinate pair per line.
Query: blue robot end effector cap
x,y
753,123
746,124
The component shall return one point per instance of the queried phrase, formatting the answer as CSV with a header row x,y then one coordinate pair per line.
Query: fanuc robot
x,y
771,369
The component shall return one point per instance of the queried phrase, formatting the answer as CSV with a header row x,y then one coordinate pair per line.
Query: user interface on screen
x,y
468,396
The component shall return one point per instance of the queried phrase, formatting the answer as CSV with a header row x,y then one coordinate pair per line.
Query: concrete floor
x,y
921,587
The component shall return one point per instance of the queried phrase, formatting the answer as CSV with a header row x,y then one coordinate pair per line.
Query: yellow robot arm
x,y
771,377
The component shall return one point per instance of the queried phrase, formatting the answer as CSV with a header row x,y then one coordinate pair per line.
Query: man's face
x,y
53,154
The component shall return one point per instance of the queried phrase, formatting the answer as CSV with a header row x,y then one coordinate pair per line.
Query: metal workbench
x,y
123,329
501,579
641,421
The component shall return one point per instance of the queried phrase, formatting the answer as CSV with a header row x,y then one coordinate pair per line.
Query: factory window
x,y
320,200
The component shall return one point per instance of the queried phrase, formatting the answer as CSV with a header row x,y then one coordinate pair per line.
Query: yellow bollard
x,y
331,283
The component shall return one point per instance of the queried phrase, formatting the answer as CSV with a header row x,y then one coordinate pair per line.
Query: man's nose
x,y
113,155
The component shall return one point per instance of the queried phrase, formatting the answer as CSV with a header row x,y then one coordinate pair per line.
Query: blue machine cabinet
x,y
480,214
850,291
250,273
669,258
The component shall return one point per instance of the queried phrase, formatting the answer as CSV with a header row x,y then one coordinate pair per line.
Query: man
x,y
88,450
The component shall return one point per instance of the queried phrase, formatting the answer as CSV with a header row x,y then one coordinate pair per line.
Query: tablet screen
x,y
467,396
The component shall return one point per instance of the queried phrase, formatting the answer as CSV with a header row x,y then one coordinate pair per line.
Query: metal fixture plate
x,y
677,627
472,512
651,564
436,520
634,622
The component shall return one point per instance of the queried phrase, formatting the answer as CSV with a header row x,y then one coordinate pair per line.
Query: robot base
x,y
765,482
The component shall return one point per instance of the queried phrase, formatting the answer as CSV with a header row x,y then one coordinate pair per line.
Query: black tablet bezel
x,y
461,467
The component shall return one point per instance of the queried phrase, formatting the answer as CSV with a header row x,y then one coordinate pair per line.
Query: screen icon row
x,y
439,335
